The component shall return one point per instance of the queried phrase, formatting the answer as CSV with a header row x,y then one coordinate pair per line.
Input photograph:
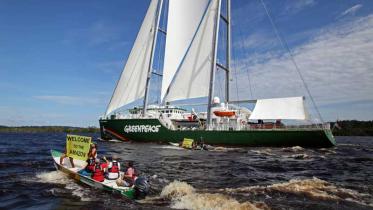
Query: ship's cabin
x,y
171,112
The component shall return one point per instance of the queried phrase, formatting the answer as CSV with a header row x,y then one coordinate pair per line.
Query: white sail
x,y
132,82
291,108
193,74
183,19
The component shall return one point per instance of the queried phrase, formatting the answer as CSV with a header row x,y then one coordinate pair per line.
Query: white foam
x,y
184,196
82,192
57,177
170,147
54,177
263,152
313,188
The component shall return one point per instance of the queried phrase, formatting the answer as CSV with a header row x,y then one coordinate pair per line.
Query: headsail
x,y
193,73
291,108
131,85
184,17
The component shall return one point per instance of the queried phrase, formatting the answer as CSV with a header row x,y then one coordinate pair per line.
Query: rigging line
x,y
245,62
235,70
235,74
286,46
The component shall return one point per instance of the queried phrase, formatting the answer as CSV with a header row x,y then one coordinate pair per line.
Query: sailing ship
x,y
190,64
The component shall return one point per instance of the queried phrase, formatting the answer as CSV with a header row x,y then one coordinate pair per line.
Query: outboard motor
x,y
142,187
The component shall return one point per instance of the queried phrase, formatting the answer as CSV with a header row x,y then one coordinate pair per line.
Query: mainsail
x,y
192,77
132,82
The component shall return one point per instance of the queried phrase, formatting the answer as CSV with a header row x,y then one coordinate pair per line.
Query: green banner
x,y
77,147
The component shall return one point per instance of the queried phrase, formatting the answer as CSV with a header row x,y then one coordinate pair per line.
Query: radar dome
x,y
216,100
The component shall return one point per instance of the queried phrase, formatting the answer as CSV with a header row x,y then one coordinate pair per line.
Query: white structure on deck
x,y
280,108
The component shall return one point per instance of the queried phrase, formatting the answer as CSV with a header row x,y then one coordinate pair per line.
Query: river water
x,y
225,178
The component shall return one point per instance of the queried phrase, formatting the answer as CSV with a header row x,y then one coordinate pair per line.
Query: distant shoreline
x,y
342,128
352,128
48,129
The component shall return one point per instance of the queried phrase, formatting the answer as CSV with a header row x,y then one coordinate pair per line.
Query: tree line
x,y
352,128
48,129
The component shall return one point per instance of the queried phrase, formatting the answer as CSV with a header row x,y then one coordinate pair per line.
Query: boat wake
x,y
181,195
53,177
312,188
57,177
170,147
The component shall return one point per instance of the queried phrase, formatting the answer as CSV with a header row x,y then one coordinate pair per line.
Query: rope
x,y
286,46
245,63
235,73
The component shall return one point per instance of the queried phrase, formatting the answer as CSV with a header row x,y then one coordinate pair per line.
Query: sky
x,y
60,60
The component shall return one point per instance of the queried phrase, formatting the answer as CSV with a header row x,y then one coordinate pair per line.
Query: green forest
x,y
48,129
352,128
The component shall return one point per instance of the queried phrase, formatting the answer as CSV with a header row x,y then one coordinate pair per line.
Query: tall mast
x,y
150,68
213,66
228,62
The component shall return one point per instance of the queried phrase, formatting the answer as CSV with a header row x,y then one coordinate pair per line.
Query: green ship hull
x,y
151,130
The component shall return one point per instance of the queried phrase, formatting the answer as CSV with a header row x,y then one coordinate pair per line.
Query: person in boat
x,y
113,171
93,151
201,144
279,124
194,145
91,162
98,172
63,156
104,163
129,177
89,168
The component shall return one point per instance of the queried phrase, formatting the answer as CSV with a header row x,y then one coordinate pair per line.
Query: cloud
x,y
98,33
293,7
337,65
254,8
70,100
110,67
256,40
351,11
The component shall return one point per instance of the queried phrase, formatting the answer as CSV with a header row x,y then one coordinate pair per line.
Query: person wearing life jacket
x,y
113,171
98,172
90,165
129,177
